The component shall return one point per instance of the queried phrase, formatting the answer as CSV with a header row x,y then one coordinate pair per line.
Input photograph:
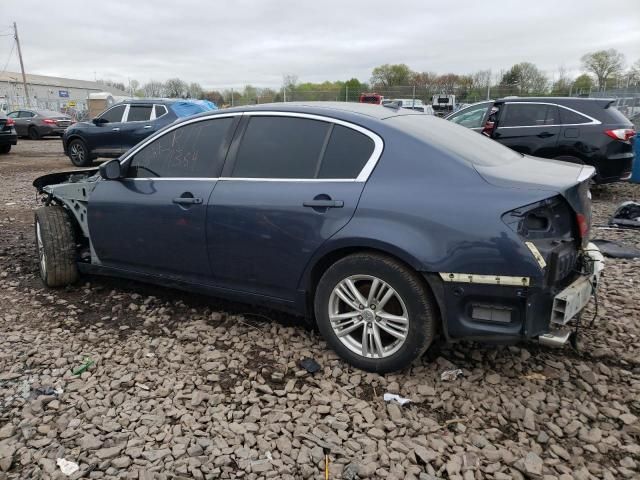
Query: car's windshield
x,y
460,141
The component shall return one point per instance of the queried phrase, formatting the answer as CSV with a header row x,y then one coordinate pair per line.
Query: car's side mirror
x,y
99,121
111,170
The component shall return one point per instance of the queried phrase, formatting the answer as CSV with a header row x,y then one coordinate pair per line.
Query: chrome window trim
x,y
153,111
126,116
592,121
363,176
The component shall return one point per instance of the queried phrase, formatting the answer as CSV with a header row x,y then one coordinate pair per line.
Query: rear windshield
x,y
615,115
467,144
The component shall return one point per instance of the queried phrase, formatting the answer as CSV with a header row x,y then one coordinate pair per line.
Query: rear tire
x,y
55,246
34,134
79,153
380,332
5,149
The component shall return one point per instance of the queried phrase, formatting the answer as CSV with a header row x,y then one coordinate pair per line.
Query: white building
x,y
53,93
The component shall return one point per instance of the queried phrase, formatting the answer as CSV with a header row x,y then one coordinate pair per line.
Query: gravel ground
x,y
184,386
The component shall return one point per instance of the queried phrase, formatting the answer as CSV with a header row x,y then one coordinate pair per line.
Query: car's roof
x,y
152,100
379,112
559,100
47,113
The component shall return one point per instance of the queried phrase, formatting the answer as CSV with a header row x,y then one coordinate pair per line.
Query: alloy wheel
x,y
77,152
368,316
42,256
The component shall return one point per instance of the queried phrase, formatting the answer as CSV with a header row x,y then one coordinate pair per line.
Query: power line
x,y
13,45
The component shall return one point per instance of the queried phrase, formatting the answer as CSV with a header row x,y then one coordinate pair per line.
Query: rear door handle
x,y
147,126
115,129
324,204
545,135
187,200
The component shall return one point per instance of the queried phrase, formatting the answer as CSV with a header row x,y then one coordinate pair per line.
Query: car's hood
x,y
63,177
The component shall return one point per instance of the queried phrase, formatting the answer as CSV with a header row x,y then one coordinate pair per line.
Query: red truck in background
x,y
373,98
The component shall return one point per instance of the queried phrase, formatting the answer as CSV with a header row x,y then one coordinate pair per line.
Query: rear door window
x,y
139,113
525,115
280,147
115,114
25,114
160,110
195,150
346,154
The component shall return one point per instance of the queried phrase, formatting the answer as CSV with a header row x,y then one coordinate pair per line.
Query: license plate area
x,y
571,300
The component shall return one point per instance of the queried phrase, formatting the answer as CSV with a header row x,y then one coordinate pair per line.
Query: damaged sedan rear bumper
x,y
509,309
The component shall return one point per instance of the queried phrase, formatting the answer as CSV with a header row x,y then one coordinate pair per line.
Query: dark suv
x,y
578,130
122,126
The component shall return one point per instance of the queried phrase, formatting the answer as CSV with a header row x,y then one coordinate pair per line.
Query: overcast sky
x,y
232,43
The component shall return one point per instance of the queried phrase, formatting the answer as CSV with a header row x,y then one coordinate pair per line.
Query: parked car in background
x,y
374,98
8,136
122,126
411,104
443,104
586,131
36,124
385,226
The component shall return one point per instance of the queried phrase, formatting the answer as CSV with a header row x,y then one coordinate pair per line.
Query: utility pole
x,y
24,78
346,93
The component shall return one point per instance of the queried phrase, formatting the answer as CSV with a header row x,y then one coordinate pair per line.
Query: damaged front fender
x,y
71,189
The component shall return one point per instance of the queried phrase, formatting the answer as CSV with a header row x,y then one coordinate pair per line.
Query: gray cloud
x,y
233,43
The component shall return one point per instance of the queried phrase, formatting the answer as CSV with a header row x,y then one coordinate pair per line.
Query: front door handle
x,y
545,135
324,203
187,200
148,126
116,129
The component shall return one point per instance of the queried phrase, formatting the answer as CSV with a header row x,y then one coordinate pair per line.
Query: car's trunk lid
x,y
569,180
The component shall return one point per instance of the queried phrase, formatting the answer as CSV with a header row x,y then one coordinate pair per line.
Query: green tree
x,y
604,64
525,78
392,75
583,83
351,89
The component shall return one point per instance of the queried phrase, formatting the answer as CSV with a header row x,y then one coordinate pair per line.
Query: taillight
x,y
624,134
49,121
10,122
583,225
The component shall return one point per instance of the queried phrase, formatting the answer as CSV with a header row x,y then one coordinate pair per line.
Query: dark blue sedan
x,y
384,226
122,126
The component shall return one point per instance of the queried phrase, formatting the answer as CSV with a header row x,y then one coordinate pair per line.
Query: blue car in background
x,y
124,125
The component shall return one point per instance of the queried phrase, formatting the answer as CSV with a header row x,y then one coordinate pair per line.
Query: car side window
x,y
114,114
280,147
160,110
139,113
194,150
471,117
524,115
569,117
347,152
13,115
24,114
